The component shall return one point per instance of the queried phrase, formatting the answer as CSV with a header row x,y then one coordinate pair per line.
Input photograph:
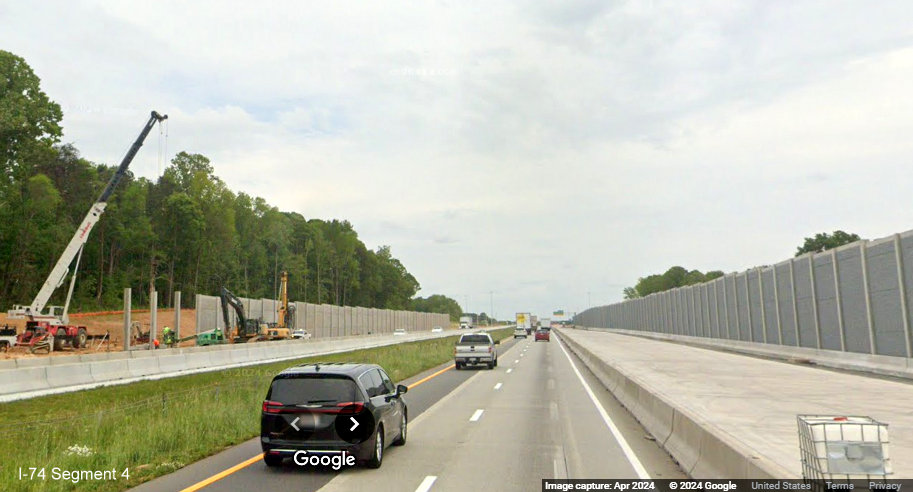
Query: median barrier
x,y
685,442
26,379
101,356
69,375
176,362
35,361
702,450
196,361
89,370
143,366
108,370
658,415
239,356
220,358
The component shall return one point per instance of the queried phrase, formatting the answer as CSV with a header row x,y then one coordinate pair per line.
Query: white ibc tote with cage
x,y
843,448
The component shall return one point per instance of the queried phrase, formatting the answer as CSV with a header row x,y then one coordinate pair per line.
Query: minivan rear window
x,y
299,390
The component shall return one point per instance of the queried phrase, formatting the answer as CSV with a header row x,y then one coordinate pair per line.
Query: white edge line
x,y
625,448
476,416
426,484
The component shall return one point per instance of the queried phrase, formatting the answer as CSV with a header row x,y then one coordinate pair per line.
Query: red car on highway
x,y
542,334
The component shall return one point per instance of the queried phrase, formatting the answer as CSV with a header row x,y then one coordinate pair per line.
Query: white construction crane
x,y
57,315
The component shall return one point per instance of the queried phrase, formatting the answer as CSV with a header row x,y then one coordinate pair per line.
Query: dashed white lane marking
x,y
622,443
425,486
498,386
476,416
553,410
508,371
517,361
551,384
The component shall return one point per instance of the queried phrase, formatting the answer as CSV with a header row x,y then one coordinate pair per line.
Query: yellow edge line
x,y
223,474
251,461
420,381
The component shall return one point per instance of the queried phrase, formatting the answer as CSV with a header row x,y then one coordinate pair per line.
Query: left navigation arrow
x,y
295,421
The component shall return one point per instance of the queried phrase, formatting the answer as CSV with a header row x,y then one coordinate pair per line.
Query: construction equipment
x,y
44,322
247,330
211,337
286,312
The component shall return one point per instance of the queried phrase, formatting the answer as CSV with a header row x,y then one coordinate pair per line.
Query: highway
x,y
539,414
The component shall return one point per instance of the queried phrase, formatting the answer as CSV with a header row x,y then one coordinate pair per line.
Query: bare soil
x,y
112,324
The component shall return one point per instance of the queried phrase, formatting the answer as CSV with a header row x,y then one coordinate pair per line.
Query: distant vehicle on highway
x,y
326,409
545,323
437,329
475,348
524,321
542,334
7,338
520,332
399,331
466,323
301,334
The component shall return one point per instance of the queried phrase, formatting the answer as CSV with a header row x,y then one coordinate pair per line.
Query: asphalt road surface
x,y
539,414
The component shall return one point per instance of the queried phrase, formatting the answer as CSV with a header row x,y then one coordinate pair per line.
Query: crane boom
x,y
59,272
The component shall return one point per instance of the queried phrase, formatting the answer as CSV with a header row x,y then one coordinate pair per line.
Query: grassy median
x,y
152,428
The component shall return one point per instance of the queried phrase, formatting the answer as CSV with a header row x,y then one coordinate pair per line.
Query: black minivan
x,y
325,409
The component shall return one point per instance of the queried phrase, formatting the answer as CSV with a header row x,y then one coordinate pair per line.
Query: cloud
x,y
539,150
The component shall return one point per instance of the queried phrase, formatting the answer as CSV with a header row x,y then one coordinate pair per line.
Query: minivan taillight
x,y
272,406
352,407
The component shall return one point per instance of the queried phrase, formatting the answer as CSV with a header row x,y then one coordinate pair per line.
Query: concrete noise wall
x,y
320,320
853,299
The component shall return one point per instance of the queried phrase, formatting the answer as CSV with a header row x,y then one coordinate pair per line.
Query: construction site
x,y
39,329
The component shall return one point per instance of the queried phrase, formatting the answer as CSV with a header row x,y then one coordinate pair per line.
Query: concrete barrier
x,y
26,379
197,361
685,442
144,366
176,362
239,356
109,370
35,361
700,449
218,359
69,375
39,377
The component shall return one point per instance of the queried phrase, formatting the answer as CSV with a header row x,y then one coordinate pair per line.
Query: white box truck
x,y
466,322
545,323
524,325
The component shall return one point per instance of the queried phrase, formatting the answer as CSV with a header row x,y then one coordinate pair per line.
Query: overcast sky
x,y
548,152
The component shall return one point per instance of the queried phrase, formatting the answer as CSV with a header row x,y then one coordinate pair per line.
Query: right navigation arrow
x,y
355,422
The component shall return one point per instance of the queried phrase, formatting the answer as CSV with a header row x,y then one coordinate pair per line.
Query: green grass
x,y
155,427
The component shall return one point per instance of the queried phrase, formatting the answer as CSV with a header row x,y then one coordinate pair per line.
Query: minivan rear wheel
x,y
378,456
402,435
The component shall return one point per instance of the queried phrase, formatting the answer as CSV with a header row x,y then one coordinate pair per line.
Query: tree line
x,y
679,277
183,231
